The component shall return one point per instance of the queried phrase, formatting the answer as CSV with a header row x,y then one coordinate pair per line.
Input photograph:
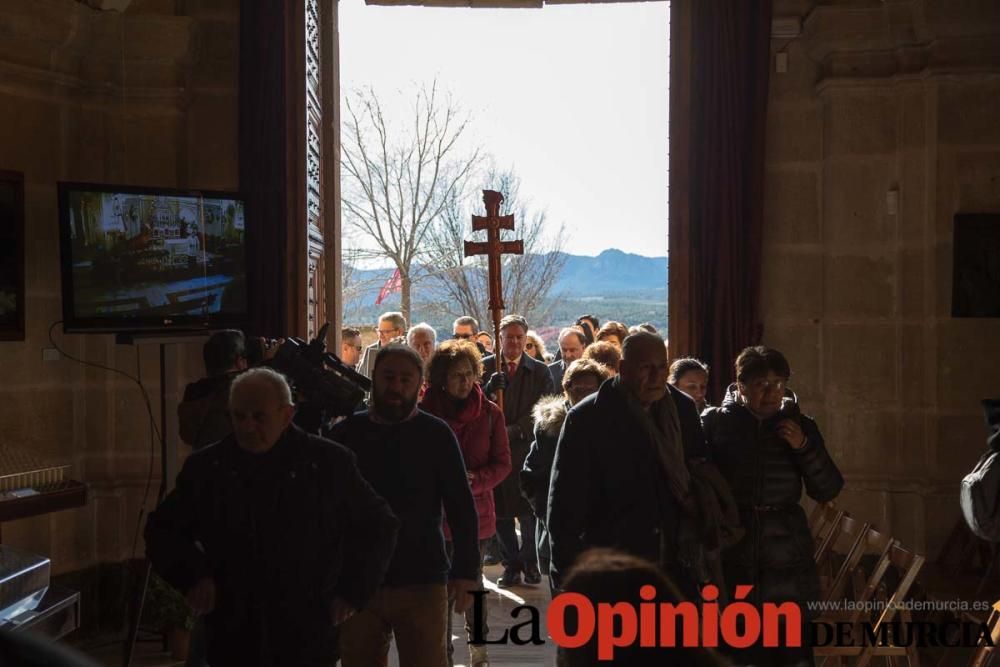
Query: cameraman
x,y
203,413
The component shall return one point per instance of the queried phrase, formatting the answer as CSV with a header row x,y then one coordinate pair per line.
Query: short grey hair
x,y
395,318
638,340
277,381
422,327
465,321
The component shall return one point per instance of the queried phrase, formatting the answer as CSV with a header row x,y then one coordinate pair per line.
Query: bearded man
x,y
413,460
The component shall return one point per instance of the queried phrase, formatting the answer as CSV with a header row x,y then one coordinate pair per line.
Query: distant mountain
x,y
611,272
614,285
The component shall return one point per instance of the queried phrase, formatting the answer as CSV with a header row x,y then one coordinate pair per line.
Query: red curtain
x,y
730,63
264,168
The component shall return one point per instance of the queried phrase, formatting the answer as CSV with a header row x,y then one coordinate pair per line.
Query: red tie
x,y
511,369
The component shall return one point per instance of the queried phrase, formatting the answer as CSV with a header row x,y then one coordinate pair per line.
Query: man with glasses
x,y
350,346
390,325
466,328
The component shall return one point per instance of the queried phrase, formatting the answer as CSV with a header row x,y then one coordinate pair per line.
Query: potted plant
x,y
168,612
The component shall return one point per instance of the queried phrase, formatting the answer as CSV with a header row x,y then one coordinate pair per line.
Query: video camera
x,y
326,384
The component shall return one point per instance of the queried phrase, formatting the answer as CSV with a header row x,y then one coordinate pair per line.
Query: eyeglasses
x,y
763,384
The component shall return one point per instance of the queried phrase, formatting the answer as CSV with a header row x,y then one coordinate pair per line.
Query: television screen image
x,y
151,259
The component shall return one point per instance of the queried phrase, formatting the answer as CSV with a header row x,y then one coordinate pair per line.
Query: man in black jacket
x,y
572,343
414,461
202,414
272,533
619,477
524,380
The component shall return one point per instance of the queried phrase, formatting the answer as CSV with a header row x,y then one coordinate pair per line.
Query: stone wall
x,y
883,127
144,97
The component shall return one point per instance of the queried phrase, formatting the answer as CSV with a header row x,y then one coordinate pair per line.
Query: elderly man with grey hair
x,y
422,338
620,475
272,534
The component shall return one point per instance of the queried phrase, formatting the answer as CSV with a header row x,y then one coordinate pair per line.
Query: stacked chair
x,y
872,570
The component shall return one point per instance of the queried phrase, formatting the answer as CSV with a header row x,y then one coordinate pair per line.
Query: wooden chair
x,y
984,655
847,548
877,589
820,518
826,528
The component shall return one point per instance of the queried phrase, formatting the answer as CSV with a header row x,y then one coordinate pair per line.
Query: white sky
x,y
574,97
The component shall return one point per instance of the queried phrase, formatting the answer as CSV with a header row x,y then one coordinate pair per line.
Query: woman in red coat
x,y
453,394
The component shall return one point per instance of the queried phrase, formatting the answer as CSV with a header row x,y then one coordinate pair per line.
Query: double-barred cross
x,y
494,249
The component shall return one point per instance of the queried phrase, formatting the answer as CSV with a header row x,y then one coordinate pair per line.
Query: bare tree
x,y
357,286
528,279
398,181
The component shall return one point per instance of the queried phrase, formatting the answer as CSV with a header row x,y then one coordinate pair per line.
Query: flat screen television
x,y
151,259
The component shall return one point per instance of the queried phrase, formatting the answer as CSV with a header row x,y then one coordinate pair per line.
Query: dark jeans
x,y
517,556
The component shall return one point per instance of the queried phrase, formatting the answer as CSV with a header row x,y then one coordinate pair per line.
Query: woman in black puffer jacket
x,y
767,450
582,378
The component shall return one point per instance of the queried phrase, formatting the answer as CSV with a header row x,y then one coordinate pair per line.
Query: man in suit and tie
x,y
524,381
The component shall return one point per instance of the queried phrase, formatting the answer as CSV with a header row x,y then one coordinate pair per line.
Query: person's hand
x,y
497,382
460,590
341,610
201,596
790,431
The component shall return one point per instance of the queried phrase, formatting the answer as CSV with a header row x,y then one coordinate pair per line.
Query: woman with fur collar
x,y
582,378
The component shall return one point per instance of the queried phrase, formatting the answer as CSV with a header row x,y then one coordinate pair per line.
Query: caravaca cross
x,y
494,248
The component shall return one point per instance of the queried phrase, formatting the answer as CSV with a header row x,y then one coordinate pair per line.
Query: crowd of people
x,y
585,469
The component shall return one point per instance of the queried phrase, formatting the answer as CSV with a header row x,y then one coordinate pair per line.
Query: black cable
x,y
149,409
154,435
145,396
152,454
